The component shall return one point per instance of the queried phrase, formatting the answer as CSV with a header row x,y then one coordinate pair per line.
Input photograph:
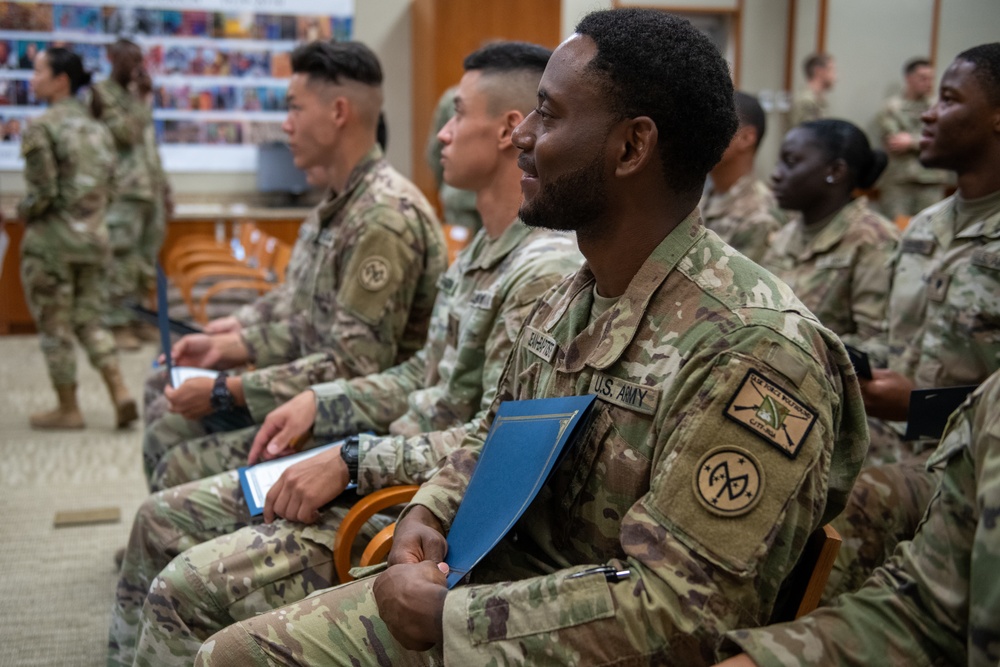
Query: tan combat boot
x,y
67,415
125,339
125,410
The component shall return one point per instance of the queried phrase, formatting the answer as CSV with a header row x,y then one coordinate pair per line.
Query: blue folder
x,y
525,444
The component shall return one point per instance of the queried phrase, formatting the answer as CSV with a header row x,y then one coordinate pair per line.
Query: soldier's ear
x,y
340,110
510,120
637,139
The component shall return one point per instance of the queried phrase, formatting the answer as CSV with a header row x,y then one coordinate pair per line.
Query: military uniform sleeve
x,y
377,282
40,173
926,605
747,447
754,235
126,120
870,285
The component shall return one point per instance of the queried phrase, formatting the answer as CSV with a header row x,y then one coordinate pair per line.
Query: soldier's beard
x,y
573,202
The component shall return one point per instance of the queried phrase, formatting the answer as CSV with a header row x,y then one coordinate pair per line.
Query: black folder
x,y
931,408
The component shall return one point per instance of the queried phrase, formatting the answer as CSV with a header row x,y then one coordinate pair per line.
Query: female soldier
x,y
836,257
69,163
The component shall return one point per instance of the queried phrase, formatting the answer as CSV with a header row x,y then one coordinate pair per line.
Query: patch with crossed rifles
x,y
766,409
728,481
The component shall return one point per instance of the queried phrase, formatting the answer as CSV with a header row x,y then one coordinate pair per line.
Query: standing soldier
x,y
69,171
811,103
136,214
907,186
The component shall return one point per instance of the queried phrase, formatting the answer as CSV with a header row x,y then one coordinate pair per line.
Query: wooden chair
x,y
201,249
358,515
456,237
902,221
802,590
274,275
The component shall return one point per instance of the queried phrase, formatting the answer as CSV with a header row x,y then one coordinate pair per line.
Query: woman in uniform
x,y
68,171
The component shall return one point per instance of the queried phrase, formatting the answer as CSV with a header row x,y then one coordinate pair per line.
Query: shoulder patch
x,y
728,481
771,412
374,273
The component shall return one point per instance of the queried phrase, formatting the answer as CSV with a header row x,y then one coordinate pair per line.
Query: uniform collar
x,y
600,344
335,202
834,231
487,252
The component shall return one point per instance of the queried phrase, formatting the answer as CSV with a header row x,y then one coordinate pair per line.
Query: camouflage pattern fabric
x,y
69,176
699,473
128,118
746,216
358,298
935,601
841,272
484,298
907,187
129,269
944,331
806,106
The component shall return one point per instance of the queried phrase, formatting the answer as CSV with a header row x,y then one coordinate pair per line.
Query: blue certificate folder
x,y
525,444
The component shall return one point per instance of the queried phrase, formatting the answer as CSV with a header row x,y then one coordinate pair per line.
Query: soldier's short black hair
x,y
914,63
815,62
508,57
750,113
332,61
843,140
651,63
986,58
64,61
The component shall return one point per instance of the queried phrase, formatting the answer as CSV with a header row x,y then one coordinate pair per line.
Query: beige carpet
x,y
56,584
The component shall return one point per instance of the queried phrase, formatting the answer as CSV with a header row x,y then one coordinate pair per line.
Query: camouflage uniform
x,y
935,601
944,331
841,271
806,106
699,365
745,216
136,213
428,403
907,187
69,174
358,299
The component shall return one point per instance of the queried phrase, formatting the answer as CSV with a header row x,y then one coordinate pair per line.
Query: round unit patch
x,y
728,481
374,273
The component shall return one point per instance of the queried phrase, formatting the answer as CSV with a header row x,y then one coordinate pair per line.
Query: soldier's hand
x,y
218,352
887,395
191,400
418,537
741,660
307,486
284,428
410,600
223,325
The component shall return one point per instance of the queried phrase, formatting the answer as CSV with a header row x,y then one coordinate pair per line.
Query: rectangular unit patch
x,y
918,246
986,259
446,284
772,413
483,299
937,286
629,395
539,344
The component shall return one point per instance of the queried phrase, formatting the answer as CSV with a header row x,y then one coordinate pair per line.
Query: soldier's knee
x,y
231,647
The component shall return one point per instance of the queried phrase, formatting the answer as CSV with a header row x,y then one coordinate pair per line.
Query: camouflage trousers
x,y
68,299
885,507
154,404
908,199
136,228
172,432
337,627
196,562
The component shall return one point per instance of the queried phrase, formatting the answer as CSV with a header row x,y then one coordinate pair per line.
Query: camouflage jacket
x,y
899,114
843,275
944,308
359,290
128,119
69,167
806,106
935,601
746,216
428,403
729,426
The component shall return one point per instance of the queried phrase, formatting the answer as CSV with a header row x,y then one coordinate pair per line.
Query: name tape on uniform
x,y
630,395
772,413
539,344
918,246
483,299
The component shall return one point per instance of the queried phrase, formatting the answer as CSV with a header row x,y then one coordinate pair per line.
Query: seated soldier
x,y
728,424
836,256
935,601
427,404
740,207
361,281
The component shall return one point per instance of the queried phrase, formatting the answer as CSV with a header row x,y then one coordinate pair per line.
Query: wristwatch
x,y
221,399
349,452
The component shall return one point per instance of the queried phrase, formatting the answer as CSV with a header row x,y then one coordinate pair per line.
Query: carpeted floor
x,y
56,584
